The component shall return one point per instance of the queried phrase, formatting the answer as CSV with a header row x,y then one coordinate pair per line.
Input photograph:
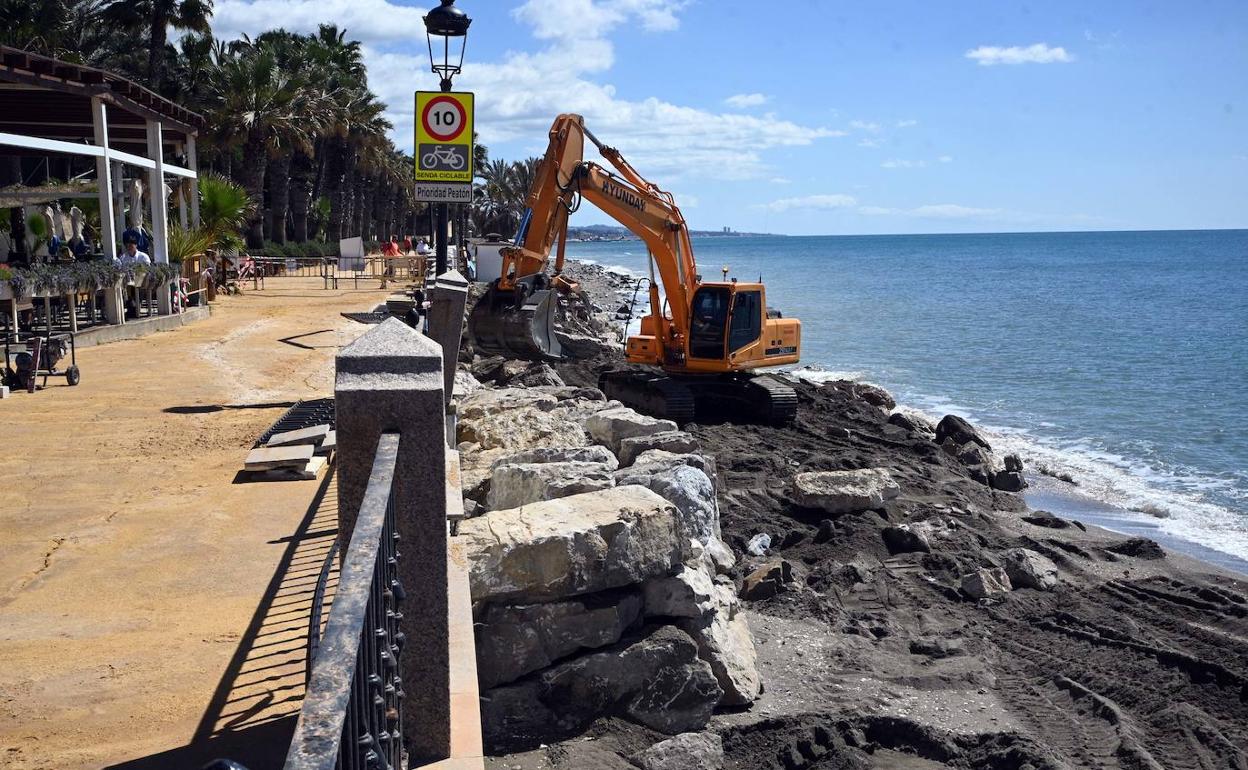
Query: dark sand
x,y
875,660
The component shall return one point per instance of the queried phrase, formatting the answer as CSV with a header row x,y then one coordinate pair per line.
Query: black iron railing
x,y
352,712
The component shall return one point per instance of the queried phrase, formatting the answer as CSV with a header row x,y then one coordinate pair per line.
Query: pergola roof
x,y
48,98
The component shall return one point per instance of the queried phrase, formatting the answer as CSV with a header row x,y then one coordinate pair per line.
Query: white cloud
x,y
1239,157
907,123
898,163
870,143
780,180
519,93
1039,53
741,101
945,159
834,201
863,125
877,210
365,20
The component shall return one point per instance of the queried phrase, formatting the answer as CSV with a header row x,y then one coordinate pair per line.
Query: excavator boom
x,y
705,337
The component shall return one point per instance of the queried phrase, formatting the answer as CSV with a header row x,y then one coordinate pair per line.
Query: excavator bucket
x,y
498,325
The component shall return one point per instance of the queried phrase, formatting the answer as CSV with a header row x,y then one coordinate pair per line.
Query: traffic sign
x,y
444,146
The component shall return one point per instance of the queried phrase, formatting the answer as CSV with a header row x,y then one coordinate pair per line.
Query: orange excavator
x,y
699,345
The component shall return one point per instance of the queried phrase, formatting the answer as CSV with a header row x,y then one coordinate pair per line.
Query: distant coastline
x,y
594,233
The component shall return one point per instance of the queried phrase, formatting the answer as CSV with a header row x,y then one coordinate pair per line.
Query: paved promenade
x,y
152,612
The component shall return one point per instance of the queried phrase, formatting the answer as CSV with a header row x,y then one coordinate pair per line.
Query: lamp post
x,y
449,25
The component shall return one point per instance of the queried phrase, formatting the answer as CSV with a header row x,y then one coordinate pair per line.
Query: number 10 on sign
x,y
444,137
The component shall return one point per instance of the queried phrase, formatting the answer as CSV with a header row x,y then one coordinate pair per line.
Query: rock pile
x,y
959,439
599,581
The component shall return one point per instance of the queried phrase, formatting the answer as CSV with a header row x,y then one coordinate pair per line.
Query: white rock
x,y
573,545
689,489
655,460
759,544
495,400
719,555
724,641
985,583
687,594
611,426
674,441
687,751
515,484
844,491
464,384
559,454
1028,569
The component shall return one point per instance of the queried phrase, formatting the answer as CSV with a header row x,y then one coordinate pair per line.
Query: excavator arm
x,y
704,328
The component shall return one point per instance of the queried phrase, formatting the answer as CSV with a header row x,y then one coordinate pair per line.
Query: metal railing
x,y
352,711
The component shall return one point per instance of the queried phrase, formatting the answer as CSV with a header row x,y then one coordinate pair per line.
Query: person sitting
x,y
407,245
422,248
132,258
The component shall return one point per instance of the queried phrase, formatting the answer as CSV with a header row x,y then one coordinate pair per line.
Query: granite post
x,y
447,299
390,379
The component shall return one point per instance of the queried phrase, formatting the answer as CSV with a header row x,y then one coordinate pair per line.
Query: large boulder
x,y
724,641
687,751
958,429
537,375
562,454
609,427
986,583
686,487
515,484
1028,569
844,491
655,678
913,422
516,640
658,681
674,441
904,538
689,593
655,460
1008,481
516,423
498,400
767,581
719,556
573,545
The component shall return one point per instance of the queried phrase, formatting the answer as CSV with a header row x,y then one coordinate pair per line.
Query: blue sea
x,y
1118,357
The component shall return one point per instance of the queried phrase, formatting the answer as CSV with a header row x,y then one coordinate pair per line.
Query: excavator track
x,y
709,398
652,393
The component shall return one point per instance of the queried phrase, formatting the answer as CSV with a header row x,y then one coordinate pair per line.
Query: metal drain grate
x,y
367,318
304,414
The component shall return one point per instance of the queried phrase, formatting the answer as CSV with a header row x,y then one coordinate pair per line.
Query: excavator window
x,y
708,321
747,319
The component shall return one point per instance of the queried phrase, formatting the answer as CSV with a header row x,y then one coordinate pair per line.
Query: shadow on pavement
x,y
253,711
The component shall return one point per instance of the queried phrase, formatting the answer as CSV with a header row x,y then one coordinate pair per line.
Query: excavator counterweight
x,y
699,345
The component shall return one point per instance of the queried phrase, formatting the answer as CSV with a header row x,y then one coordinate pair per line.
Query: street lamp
x,y
450,24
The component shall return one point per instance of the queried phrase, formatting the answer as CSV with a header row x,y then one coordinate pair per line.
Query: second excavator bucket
x,y
499,325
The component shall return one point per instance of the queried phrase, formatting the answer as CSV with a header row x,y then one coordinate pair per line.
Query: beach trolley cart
x,y
41,357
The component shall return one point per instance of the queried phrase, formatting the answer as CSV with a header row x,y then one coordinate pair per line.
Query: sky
x,y
812,117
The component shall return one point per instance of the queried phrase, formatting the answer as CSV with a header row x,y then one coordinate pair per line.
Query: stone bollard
x,y
390,379
447,299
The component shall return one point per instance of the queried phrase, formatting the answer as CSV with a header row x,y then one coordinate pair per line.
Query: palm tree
x,y
262,109
224,210
155,17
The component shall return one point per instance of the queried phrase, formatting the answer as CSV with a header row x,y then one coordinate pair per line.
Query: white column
x,y
159,209
156,183
192,162
103,172
119,196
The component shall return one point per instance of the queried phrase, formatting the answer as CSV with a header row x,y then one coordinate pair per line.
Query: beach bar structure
x,y
50,107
